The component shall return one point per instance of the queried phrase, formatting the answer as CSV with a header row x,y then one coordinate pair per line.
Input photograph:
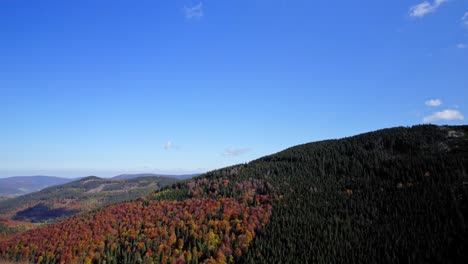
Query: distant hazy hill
x,y
132,176
20,185
81,195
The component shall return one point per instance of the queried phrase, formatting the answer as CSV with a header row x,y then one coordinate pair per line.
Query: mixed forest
x,y
389,196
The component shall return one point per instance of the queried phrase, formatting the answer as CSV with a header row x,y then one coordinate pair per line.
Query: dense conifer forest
x,y
396,195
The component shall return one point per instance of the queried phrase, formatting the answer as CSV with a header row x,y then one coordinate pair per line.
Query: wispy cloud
x,y
446,115
461,45
168,145
235,151
464,20
193,12
425,8
433,102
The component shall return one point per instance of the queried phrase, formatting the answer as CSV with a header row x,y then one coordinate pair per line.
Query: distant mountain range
x,y
81,195
20,185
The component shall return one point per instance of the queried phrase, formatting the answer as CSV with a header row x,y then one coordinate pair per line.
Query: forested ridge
x,y
396,195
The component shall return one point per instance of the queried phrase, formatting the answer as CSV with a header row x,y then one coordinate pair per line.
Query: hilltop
x,y
393,195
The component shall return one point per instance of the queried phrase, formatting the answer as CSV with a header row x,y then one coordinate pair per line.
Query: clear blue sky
x,y
103,87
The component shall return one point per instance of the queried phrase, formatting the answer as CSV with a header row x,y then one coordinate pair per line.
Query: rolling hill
x,y
389,196
78,196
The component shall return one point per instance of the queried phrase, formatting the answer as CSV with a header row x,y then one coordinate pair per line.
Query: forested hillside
x,y
394,195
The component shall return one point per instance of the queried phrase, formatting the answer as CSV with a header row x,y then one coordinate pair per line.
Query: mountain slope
x,y
394,195
79,196
20,185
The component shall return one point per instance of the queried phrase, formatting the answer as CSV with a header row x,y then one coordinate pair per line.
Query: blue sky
x,y
117,86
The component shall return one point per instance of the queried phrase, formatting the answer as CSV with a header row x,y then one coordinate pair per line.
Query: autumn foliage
x,y
9,228
194,230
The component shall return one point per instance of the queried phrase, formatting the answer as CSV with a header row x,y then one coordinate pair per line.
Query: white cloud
x,y
433,102
461,45
425,8
194,12
235,152
447,115
464,19
168,145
